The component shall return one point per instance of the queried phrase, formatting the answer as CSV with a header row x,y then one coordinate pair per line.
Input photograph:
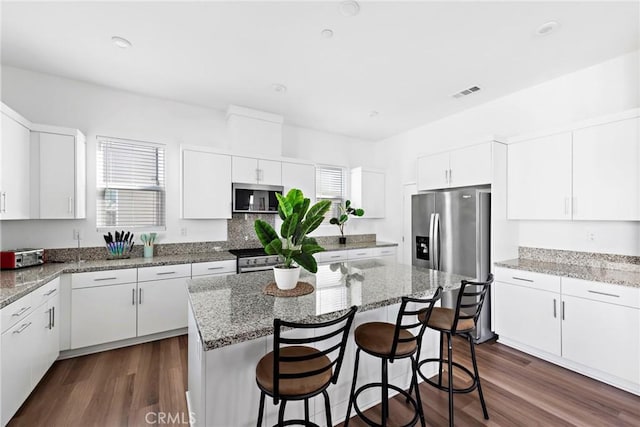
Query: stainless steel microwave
x,y
255,198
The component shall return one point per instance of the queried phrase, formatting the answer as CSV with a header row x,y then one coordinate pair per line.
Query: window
x,y
330,185
131,185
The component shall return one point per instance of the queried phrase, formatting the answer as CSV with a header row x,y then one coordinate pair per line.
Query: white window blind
x,y
330,186
131,184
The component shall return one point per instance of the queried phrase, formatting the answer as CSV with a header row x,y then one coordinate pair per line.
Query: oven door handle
x,y
256,268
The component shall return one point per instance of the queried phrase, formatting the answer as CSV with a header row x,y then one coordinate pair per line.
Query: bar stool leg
x,y
281,413
385,392
261,409
353,388
475,371
327,408
440,363
450,374
306,411
414,382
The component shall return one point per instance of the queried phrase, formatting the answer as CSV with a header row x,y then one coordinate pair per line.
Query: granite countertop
x,y
233,309
604,275
15,284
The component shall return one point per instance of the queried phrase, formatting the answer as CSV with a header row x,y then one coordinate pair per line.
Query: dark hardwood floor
x,y
120,387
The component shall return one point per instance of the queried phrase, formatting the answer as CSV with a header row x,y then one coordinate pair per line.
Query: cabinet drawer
x,y
386,251
103,278
361,253
164,272
17,311
615,294
43,293
213,267
331,256
528,279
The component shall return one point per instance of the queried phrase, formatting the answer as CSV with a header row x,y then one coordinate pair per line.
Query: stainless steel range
x,y
254,260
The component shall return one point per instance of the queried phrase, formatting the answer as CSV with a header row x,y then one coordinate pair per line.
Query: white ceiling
x,y
403,59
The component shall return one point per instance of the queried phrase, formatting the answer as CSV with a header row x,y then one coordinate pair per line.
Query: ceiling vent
x,y
466,92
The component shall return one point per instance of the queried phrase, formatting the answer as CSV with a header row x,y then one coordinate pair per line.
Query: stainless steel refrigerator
x,y
451,232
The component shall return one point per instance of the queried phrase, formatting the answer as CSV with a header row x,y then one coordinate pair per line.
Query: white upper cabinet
x,y
256,171
62,175
539,178
14,166
301,176
368,192
433,172
206,185
606,172
470,166
458,168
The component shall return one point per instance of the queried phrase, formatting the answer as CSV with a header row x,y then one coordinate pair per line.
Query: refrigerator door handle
x,y
431,240
436,241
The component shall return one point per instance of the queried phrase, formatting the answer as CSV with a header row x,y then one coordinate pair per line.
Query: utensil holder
x,y
148,251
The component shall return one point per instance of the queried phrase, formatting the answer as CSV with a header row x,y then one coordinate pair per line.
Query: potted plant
x,y
341,220
293,245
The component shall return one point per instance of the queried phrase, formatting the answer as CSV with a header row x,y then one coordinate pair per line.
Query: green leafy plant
x,y
299,219
345,211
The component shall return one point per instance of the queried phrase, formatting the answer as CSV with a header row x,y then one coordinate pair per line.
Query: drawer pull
x,y
361,253
215,268
335,256
604,293
165,272
50,292
20,312
22,328
100,279
524,280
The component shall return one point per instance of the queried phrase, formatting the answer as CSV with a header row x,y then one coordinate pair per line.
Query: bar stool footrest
x,y
466,370
297,423
408,397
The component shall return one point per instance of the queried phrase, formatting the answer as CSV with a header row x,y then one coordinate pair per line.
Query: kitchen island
x,y
231,326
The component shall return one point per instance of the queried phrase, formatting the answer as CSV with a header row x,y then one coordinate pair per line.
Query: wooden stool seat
x,y
377,338
442,320
295,387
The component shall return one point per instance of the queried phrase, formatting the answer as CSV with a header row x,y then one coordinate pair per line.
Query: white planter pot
x,y
286,278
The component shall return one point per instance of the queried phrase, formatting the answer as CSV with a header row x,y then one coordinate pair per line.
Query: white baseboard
x,y
67,354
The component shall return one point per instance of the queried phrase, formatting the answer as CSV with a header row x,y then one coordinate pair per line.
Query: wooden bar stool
x,y
460,321
300,372
390,342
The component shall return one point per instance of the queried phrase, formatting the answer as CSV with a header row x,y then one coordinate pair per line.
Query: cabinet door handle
x,y
20,312
53,316
603,293
562,310
22,328
3,208
133,297
450,176
70,205
49,315
524,280
554,309
101,279
446,176
50,292
140,296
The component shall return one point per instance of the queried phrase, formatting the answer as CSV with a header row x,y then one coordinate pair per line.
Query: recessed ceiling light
x,y
373,114
349,8
122,43
279,88
547,28
326,33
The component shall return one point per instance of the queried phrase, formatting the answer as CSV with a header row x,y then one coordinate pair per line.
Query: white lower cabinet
x,y
529,316
29,346
589,327
162,306
102,314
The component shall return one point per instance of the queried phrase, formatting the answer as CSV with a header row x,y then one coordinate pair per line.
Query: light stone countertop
x,y
595,274
15,284
233,309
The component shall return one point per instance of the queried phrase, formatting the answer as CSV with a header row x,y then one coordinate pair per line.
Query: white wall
x,y
605,88
98,110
